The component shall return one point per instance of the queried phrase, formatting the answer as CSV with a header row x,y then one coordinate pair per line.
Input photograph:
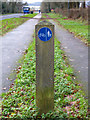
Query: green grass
x,y
79,28
7,25
20,101
29,15
44,15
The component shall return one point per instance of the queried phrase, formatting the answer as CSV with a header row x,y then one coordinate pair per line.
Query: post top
x,y
44,23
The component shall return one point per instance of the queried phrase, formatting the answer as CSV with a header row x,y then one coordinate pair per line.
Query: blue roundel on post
x,y
45,34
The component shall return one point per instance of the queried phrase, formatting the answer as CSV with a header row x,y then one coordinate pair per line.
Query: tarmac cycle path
x,y
77,53
12,46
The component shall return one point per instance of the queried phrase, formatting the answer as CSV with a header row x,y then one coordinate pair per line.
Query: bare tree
x,y
11,6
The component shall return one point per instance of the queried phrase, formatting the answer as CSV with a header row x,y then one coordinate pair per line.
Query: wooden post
x,y
44,66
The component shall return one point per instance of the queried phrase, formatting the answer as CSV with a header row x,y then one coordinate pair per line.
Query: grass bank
x,y
78,27
7,25
20,101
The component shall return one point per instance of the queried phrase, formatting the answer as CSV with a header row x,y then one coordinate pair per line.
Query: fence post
x,y
44,66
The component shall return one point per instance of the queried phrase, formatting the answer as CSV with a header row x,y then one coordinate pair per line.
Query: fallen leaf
x,y
4,88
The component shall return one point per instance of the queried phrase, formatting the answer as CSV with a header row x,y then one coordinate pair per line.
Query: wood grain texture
x,y
44,70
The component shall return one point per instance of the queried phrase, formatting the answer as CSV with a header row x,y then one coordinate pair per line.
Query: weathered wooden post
x,y
44,66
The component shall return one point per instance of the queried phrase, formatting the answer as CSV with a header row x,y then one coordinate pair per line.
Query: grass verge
x,y
79,28
20,101
7,25
29,15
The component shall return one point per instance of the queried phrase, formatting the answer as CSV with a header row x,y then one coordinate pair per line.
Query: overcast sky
x,y
30,1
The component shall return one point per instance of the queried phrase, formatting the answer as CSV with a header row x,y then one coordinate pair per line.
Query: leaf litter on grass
x,y
20,101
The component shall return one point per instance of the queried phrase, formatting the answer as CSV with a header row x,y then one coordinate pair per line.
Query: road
x,y
14,44
11,16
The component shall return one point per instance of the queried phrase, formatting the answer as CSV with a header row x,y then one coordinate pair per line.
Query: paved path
x,y
11,16
77,53
13,45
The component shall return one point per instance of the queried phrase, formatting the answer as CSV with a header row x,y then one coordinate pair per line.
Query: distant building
x,y
35,7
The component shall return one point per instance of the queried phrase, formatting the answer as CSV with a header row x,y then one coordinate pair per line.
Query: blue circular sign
x,y
45,34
